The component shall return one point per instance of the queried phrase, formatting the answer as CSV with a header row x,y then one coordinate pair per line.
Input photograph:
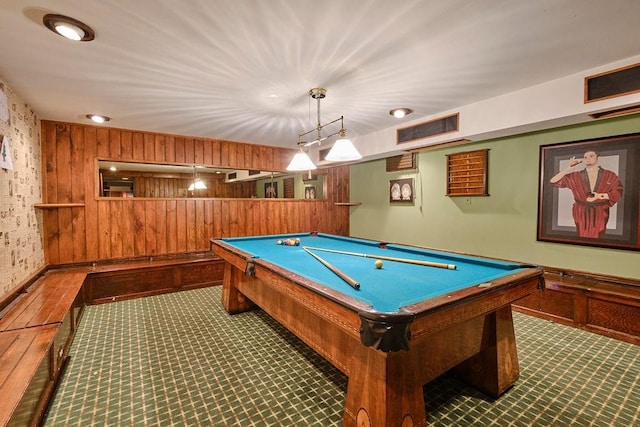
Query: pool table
x,y
401,327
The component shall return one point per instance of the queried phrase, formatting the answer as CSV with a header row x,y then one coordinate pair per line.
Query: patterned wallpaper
x,y
21,247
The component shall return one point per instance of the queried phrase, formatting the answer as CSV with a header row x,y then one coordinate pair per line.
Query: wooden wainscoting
x,y
606,305
80,227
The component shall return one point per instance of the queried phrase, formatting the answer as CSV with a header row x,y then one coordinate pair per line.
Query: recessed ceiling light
x,y
400,112
69,28
97,118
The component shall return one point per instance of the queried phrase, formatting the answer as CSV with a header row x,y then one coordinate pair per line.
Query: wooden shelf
x,y
348,203
57,205
467,174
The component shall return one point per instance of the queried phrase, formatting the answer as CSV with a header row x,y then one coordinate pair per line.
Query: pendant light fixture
x,y
197,183
301,162
342,151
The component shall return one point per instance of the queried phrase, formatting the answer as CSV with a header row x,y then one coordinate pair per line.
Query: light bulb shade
x,y
198,184
343,151
301,162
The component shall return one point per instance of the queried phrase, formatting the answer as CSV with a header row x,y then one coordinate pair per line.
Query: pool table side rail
x,y
479,289
474,303
246,262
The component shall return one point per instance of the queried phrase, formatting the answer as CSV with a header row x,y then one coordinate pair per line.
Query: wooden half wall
x,y
79,226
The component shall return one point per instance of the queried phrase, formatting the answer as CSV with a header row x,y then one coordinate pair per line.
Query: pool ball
x,y
378,264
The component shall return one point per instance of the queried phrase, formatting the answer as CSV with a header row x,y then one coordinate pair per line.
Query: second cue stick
x,y
388,258
349,280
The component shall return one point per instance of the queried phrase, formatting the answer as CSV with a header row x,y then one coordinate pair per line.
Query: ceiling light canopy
x,y
96,118
342,151
69,28
400,112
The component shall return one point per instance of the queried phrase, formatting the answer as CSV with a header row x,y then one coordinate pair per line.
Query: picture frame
x,y
310,192
271,190
401,191
589,192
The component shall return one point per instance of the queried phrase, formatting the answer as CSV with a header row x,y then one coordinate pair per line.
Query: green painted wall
x,y
503,225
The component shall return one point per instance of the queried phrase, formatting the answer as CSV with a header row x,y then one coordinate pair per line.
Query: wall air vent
x,y
402,162
618,82
428,129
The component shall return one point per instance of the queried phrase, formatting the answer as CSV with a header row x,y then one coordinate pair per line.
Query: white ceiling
x,y
241,69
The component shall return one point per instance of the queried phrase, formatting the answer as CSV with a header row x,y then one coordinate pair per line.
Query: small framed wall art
x,y
401,190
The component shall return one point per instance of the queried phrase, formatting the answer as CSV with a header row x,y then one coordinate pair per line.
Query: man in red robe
x,y
594,190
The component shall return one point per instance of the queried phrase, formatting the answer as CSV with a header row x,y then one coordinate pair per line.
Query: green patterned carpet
x,y
180,360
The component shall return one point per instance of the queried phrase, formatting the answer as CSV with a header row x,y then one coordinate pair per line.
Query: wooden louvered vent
x,y
401,163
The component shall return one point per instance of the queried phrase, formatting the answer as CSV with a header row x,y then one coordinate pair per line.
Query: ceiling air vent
x,y
618,82
428,129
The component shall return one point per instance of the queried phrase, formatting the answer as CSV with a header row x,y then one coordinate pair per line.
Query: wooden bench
x,y
48,300
27,379
36,332
39,320
111,282
605,305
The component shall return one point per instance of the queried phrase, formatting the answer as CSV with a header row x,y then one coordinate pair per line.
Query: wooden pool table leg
x,y
495,368
383,390
233,300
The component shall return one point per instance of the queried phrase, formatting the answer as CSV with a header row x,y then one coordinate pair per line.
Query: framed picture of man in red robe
x,y
589,192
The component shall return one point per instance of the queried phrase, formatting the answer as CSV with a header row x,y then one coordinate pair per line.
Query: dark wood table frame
x,y
471,333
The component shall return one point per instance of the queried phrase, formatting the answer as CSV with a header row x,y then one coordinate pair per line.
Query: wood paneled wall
x,y
106,228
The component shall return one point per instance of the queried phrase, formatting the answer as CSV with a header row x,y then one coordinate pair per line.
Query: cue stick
x,y
388,258
349,280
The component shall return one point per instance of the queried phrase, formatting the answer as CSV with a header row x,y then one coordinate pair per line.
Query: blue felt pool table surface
x,y
388,289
